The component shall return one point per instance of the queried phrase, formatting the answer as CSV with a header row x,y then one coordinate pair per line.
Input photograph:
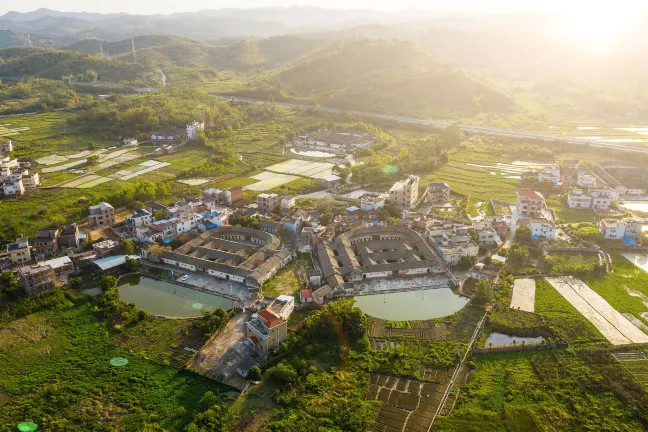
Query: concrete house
x,y
634,228
13,187
306,296
266,331
233,195
586,180
287,202
105,248
46,242
19,251
268,202
193,128
577,199
482,271
612,229
370,203
140,217
69,237
571,164
102,215
130,142
36,279
437,193
530,204
404,194
453,246
488,237
550,173
542,228
6,146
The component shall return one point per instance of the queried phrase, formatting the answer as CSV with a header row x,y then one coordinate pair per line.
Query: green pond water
x,y
164,298
412,305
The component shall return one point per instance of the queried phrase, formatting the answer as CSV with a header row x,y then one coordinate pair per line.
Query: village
x,y
375,242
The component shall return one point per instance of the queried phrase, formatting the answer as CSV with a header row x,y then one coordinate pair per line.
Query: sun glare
x,y
598,30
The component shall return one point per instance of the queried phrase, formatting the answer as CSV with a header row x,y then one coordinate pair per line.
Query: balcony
x,y
258,328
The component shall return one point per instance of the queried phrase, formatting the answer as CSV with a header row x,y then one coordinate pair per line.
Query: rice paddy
x,y
51,160
63,167
303,168
87,181
269,180
7,131
149,166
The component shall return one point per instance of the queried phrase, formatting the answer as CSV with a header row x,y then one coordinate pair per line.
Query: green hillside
x,y
384,75
54,64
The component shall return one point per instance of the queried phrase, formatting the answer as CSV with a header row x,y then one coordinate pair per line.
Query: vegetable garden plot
x,y
615,327
271,183
523,295
51,160
193,182
81,180
302,168
63,167
94,182
146,170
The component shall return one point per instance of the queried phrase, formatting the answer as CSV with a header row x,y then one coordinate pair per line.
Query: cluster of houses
x,y
336,141
14,179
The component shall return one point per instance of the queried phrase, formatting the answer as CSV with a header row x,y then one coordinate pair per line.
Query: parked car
x,y
183,278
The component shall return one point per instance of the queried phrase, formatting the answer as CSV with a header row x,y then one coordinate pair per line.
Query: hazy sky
x,y
170,6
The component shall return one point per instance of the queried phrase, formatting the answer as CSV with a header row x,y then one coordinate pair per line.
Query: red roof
x,y
306,293
531,194
271,320
254,340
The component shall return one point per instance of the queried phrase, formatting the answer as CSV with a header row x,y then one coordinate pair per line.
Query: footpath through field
x,y
616,328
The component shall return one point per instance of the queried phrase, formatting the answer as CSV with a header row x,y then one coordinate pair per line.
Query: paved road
x,y
480,130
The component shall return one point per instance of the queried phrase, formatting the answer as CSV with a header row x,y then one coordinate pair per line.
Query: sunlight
x,y
598,29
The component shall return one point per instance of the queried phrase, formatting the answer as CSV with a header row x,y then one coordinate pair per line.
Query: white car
x,y
183,278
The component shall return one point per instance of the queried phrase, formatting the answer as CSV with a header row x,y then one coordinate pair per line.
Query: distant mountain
x,y
43,12
392,76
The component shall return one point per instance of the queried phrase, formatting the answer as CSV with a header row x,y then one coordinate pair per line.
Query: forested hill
x,y
55,64
173,51
382,75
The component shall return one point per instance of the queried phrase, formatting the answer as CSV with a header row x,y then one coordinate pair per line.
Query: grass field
x,y
567,321
625,288
289,279
57,364
537,392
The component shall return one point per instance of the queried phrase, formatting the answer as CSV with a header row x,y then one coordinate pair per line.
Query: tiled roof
x,y
271,320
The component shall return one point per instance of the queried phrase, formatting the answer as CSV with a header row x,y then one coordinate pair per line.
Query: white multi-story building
x,y
488,237
542,228
577,199
140,217
530,204
130,142
193,128
7,162
404,194
268,202
612,229
371,202
288,202
13,186
601,203
634,227
453,245
550,173
438,193
586,180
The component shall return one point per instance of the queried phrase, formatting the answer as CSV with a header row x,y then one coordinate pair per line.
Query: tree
x,y
348,317
254,373
91,146
92,160
466,262
75,282
523,235
108,283
284,372
326,219
127,246
132,265
158,215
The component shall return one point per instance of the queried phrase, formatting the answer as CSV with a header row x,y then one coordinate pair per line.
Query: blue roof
x,y
211,225
535,237
167,240
83,236
375,222
352,208
627,240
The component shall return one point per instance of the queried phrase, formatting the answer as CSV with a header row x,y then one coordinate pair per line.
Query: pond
x,y
313,153
641,206
412,305
501,339
4,398
164,298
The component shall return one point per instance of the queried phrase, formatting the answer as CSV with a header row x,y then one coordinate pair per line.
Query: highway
x,y
469,129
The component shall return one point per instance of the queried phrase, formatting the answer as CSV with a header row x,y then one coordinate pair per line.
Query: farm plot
x,y
150,165
523,295
615,327
638,259
63,167
94,182
193,182
117,157
5,131
303,168
408,405
79,181
86,153
51,160
269,181
636,363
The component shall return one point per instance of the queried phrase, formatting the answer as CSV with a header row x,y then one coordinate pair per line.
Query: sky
x,y
171,6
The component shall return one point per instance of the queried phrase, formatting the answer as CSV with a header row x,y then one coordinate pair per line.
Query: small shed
x,y
244,367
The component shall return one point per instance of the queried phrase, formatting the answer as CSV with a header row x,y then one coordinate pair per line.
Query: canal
x,y
168,299
412,305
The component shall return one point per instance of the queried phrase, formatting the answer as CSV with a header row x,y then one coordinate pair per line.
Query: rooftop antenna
x,y
134,53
